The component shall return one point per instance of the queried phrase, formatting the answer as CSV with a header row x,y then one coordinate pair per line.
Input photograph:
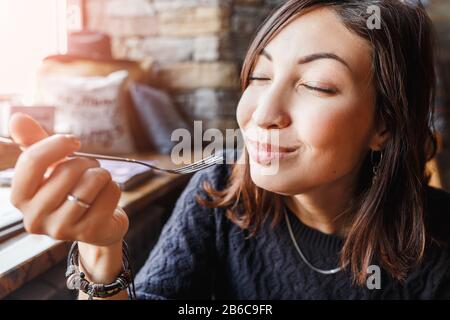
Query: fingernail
x,y
73,139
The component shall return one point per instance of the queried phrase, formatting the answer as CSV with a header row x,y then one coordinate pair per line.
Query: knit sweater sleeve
x,y
181,265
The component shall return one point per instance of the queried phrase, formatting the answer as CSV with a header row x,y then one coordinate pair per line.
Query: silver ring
x,y
72,198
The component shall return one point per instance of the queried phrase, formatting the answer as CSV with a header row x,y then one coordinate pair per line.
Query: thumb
x,y
25,130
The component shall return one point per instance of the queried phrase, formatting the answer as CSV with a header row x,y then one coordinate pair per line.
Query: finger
x,y
33,163
91,184
54,191
102,221
25,130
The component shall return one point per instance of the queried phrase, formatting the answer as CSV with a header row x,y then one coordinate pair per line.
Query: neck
x,y
325,208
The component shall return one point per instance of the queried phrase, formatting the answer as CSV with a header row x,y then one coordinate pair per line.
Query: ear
x,y
379,138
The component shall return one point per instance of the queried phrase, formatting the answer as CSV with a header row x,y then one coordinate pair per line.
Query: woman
x,y
337,207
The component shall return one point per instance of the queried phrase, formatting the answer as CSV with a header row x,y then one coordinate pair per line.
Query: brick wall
x,y
199,46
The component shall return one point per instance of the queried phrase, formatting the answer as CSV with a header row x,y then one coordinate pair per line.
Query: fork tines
x,y
201,164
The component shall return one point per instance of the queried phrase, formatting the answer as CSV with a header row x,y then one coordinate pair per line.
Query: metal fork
x,y
190,168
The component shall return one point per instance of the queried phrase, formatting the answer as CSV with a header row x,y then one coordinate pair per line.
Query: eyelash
x,y
257,79
323,90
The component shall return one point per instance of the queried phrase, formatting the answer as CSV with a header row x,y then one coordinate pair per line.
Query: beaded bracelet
x,y
76,279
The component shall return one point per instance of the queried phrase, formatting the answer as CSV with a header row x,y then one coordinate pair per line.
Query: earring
x,y
375,166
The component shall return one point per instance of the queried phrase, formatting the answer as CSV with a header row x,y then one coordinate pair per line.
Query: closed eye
x,y
258,79
324,90
312,88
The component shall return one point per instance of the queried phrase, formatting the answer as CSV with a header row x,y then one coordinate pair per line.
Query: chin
x,y
280,183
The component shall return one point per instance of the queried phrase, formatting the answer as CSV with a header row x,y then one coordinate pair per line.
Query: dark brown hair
x,y
387,224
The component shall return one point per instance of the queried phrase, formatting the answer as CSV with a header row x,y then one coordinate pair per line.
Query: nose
x,y
270,112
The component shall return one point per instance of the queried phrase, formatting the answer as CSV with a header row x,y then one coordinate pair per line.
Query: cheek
x,y
335,127
336,138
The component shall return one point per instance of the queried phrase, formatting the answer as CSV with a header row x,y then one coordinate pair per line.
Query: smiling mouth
x,y
265,153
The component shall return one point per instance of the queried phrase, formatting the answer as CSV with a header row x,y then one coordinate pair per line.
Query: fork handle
x,y
101,157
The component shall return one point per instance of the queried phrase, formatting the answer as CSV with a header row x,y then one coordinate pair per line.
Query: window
x,y
29,31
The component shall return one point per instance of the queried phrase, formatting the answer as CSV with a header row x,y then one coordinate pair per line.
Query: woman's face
x,y
308,115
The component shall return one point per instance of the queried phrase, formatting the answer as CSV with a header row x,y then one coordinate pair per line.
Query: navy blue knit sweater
x,y
201,254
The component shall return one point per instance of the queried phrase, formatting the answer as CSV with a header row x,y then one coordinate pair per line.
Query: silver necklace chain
x,y
332,271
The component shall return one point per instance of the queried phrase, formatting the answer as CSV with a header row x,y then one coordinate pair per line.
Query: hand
x,y
43,179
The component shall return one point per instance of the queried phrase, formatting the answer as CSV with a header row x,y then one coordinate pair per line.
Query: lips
x,y
265,153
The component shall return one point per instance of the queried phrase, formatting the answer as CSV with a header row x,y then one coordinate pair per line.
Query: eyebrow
x,y
312,57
